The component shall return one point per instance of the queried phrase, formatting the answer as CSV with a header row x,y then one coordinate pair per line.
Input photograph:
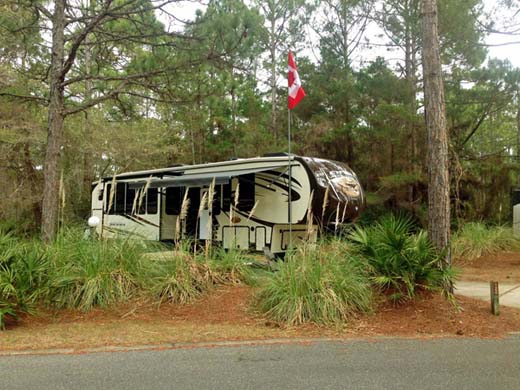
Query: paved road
x,y
480,290
381,364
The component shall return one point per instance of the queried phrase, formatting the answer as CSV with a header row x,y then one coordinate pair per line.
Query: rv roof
x,y
181,169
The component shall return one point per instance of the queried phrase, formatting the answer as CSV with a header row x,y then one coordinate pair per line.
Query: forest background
x,y
147,88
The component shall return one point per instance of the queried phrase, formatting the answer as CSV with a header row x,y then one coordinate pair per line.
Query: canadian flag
x,y
296,92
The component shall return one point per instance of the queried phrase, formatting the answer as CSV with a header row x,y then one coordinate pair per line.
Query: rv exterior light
x,y
93,221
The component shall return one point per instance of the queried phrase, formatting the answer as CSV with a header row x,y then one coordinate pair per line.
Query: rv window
x,y
216,200
226,196
173,200
130,195
120,198
151,201
100,194
246,196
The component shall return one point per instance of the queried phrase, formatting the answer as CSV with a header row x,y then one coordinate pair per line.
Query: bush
x,y
175,277
180,276
316,285
475,239
231,267
399,260
23,276
86,272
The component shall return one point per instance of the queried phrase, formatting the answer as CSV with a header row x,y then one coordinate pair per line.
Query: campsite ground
x,y
224,314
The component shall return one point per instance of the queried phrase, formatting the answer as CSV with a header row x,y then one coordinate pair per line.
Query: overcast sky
x,y
500,45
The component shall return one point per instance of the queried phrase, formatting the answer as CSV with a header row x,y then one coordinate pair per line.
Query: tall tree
x,y
435,115
285,21
132,51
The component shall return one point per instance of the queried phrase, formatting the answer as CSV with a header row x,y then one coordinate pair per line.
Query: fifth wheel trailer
x,y
250,203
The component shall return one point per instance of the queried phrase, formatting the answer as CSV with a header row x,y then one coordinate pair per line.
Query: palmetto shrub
x,y
400,261
23,276
475,239
318,285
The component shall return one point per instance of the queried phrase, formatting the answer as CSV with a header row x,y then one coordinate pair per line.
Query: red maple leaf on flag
x,y
296,92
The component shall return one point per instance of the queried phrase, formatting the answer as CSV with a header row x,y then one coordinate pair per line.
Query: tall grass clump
x,y
400,260
316,285
182,276
475,239
231,266
87,273
23,276
176,278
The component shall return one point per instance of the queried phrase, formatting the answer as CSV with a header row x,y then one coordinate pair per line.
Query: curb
x,y
168,346
234,343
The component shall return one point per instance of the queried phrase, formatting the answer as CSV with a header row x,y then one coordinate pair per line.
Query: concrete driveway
x,y
480,290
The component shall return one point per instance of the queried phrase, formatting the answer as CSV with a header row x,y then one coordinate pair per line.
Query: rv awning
x,y
201,179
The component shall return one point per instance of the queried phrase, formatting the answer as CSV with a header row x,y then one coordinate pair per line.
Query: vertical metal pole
x,y
289,191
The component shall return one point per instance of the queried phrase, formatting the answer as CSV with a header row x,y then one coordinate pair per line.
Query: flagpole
x,y
289,191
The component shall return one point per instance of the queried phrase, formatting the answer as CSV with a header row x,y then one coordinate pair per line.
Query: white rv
x,y
257,218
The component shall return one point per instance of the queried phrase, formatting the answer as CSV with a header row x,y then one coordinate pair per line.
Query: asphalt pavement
x,y
376,364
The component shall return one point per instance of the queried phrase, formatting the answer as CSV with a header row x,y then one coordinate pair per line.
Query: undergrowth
x,y
318,285
400,260
475,239
82,273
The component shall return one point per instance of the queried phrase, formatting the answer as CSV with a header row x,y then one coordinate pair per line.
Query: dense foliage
x,y
321,284
81,273
400,260
212,89
475,239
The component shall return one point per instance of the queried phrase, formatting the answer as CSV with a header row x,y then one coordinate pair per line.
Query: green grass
x,y
87,273
475,239
317,285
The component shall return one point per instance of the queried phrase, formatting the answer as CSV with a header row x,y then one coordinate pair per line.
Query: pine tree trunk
x,y
50,202
439,185
273,82
518,128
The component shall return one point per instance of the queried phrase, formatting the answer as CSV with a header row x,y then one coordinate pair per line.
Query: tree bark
x,y
518,128
55,126
88,174
435,115
273,79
